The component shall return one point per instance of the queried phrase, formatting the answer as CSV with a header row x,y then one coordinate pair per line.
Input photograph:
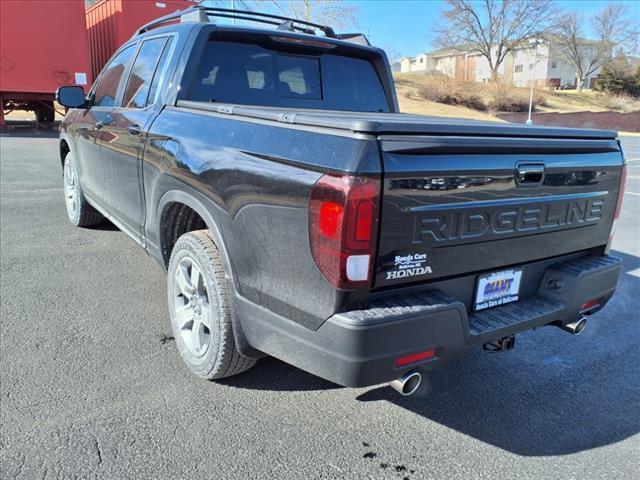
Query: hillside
x,y
409,87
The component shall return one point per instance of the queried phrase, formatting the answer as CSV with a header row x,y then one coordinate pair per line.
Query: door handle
x,y
530,174
134,129
98,125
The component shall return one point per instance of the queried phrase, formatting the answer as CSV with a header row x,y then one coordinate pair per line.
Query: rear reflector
x,y
590,305
415,357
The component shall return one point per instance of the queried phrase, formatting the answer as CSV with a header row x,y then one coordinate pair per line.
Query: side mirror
x,y
71,96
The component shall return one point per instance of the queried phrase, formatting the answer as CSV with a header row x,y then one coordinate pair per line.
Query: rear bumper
x,y
359,348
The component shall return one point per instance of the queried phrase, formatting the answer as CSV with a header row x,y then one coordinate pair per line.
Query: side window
x,y
107,87
144,66
162,65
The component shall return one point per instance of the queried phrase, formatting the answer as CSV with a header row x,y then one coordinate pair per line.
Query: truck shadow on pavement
x,y
104,226
552,395
274,375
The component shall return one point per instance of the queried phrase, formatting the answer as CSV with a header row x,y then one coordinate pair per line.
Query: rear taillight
x,y
343,227
616,213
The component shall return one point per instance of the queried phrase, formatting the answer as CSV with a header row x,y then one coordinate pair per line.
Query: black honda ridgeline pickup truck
x,y
299,215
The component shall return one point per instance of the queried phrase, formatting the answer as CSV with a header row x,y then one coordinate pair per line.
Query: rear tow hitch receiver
x,y
501,345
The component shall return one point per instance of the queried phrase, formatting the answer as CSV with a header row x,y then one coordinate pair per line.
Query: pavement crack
x,y
23,459
96,446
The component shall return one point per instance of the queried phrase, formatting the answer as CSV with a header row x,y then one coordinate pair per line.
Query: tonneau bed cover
x,y
396,123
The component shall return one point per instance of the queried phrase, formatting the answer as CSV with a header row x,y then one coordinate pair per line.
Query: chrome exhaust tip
x,y
407,384
575,328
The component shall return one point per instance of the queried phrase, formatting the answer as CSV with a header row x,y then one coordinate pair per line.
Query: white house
x,y
546,65
414,64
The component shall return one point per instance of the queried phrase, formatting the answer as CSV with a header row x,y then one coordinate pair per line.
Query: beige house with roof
x,y
548,67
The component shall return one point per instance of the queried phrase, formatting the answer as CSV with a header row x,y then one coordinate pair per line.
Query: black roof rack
x,y
285,23
188,14
202,14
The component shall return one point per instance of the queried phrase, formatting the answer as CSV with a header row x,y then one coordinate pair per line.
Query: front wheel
x,y
199,309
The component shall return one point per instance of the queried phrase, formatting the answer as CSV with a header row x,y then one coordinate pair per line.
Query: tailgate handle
x,y
530,174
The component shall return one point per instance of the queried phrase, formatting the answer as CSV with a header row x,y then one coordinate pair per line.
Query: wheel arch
x,y
64,150
166,218
174,198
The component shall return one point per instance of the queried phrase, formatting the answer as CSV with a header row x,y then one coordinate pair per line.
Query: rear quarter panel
x,y
256,178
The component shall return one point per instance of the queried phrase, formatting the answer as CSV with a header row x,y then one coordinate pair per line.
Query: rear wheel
x,y
199,309
80,213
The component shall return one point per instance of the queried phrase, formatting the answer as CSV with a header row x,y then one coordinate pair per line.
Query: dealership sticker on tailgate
x,y
497,288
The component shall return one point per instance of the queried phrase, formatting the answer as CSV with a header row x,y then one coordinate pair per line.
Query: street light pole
x,y
533,81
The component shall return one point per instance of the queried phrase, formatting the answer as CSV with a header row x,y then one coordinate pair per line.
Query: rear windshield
x,y
243,73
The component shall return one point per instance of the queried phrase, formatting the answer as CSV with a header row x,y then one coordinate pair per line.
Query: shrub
x,y
498,96
622,103
443,89
505,98
618,77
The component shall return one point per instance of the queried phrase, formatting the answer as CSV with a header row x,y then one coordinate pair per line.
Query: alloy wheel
x,y
71,189
193,311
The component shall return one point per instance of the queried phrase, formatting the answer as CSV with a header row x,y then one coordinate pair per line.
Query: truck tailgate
x,y
454,204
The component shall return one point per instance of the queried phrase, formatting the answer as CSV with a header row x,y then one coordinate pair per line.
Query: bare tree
x,y
335,13
493,28
393,54
613,27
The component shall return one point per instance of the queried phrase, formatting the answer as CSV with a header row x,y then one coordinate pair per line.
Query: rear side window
x,y
243,73
107,86
144,67
160,70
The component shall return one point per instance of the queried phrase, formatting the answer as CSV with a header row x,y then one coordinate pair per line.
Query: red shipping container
x,y
43,45
110,23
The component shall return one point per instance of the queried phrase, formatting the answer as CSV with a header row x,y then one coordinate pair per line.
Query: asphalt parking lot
x,y
91,387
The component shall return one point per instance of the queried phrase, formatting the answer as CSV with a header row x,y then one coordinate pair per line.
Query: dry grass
x,y
442,89
435,95
566,101
623,103
498,97
408,88
503,97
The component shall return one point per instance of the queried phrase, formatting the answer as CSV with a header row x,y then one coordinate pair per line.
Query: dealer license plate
x,y
497,288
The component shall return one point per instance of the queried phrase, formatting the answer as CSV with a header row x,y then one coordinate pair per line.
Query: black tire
x,y
80,213
199,301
